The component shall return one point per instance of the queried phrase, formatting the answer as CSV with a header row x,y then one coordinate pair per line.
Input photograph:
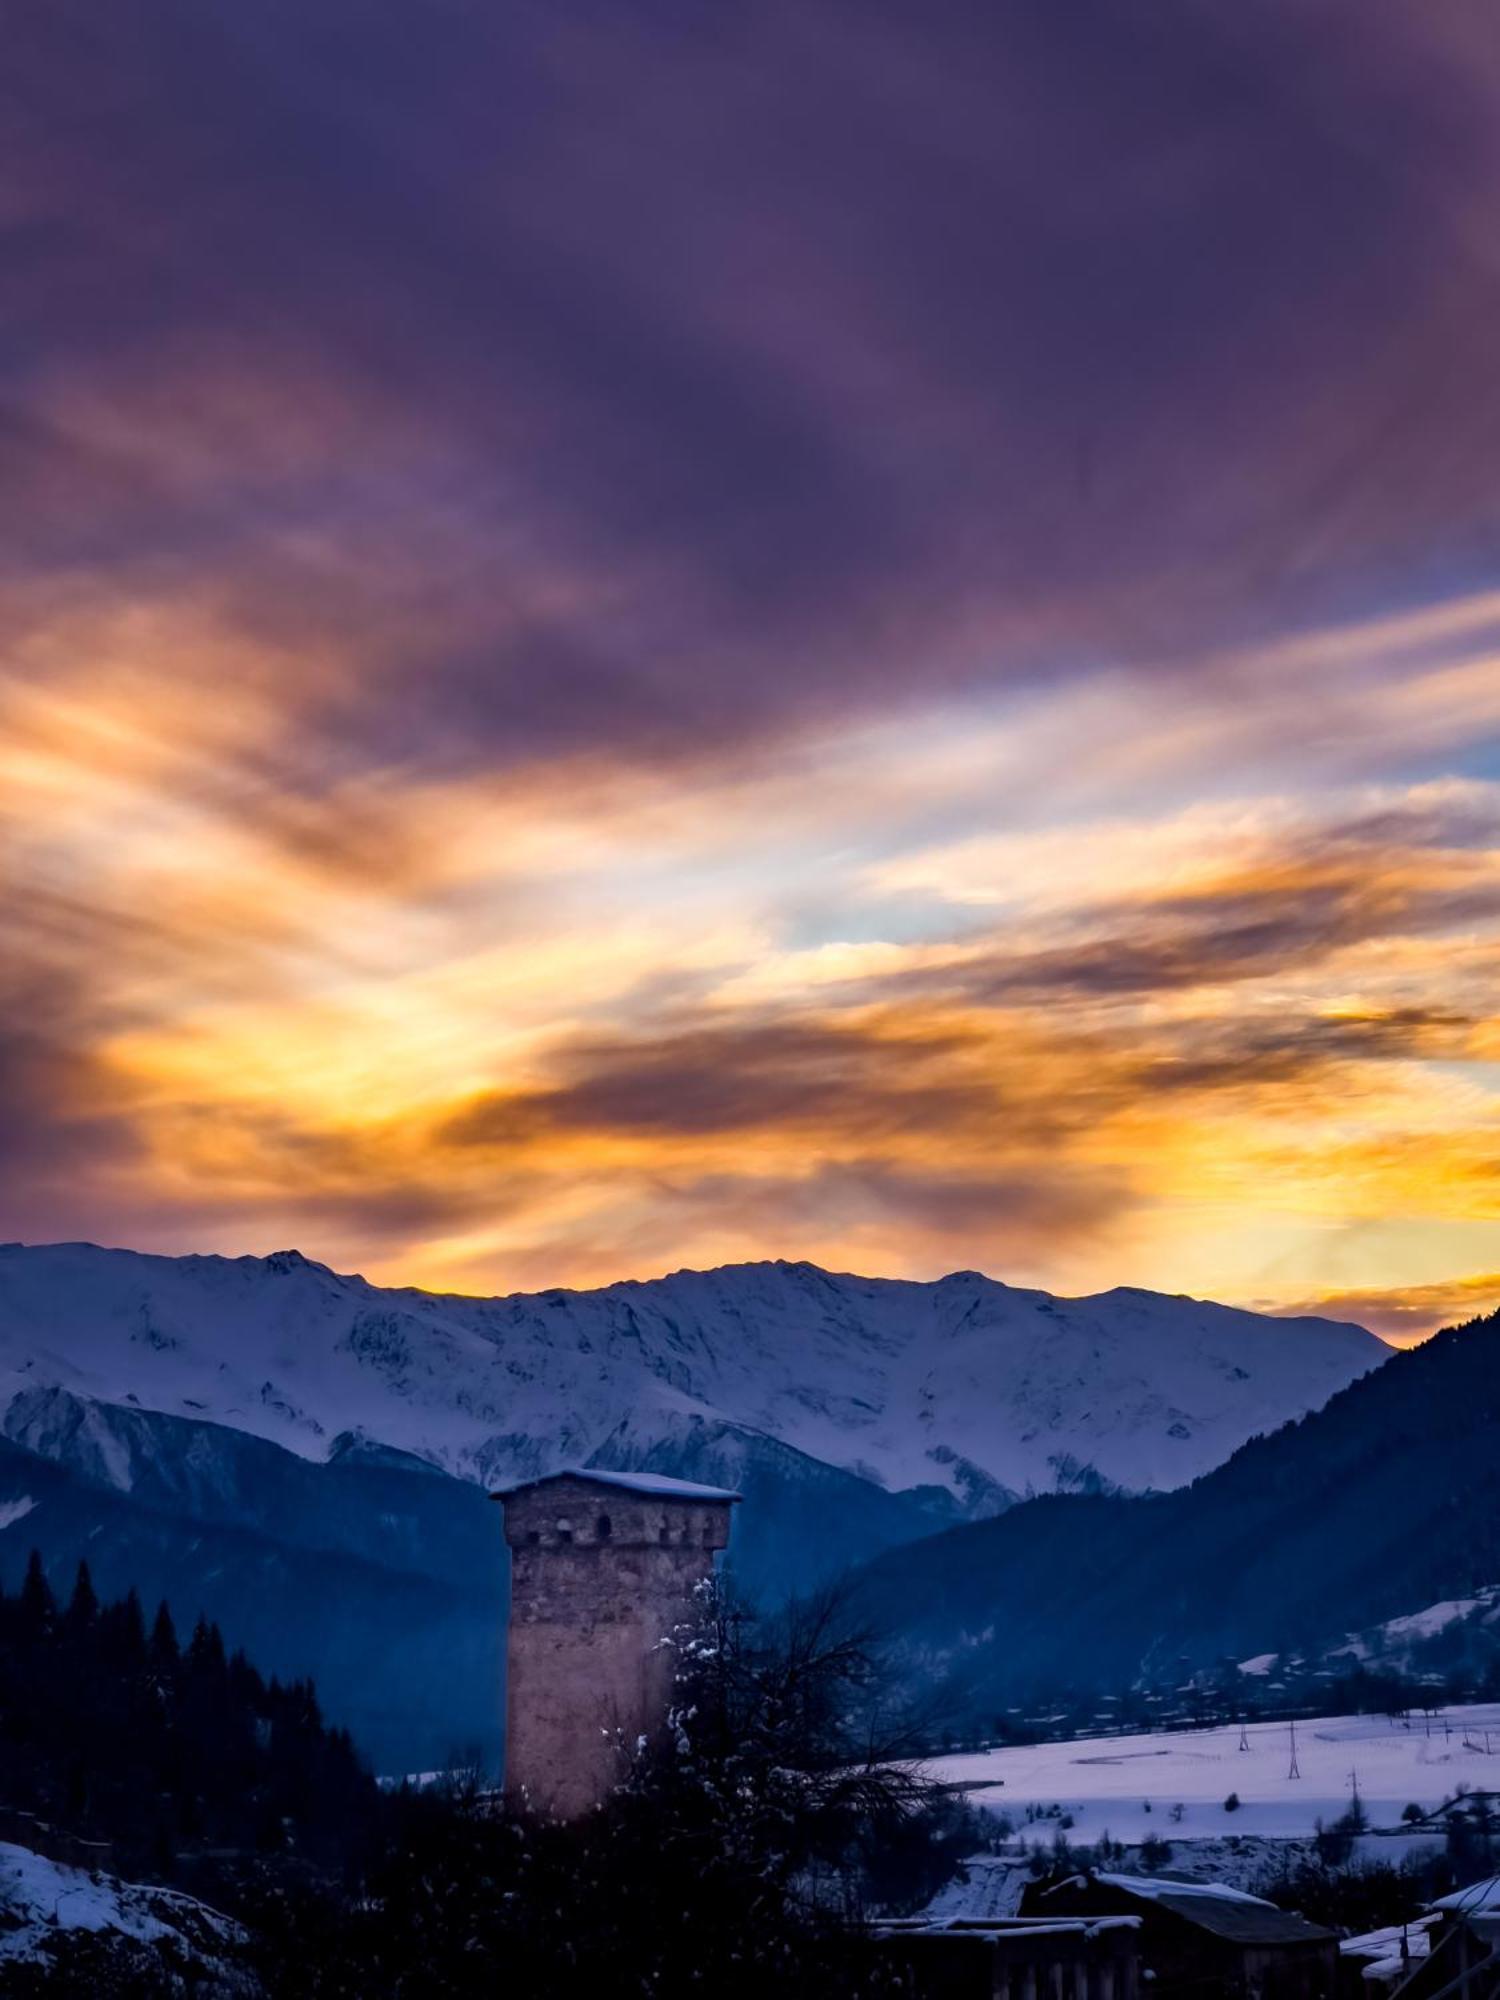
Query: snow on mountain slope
x,y
1436,1638
967,1384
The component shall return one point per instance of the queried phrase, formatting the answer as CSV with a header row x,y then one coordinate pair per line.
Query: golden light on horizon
x,y
565,1035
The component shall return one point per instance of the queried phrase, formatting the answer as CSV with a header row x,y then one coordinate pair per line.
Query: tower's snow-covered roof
x,y
656,1484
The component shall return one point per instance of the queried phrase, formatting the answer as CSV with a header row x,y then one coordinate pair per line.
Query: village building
x,y
1451,1953
1375,1964
1203,1937
604,1566
1012,1958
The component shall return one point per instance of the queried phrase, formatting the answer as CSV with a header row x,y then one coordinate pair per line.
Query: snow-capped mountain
x,y
968,1390
258,1437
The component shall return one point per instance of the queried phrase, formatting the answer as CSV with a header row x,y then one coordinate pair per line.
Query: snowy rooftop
x,y
1156,1887
924,1926
1213,1906
1387,1952
656,1484
1478,1896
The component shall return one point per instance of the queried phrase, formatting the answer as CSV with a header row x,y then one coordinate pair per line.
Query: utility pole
x,y
1293,1772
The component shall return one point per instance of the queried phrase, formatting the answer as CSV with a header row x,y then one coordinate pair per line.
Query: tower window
x,y
604,1527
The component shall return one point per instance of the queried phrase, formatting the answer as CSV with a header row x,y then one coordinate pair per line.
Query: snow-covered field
x,y
1129,1786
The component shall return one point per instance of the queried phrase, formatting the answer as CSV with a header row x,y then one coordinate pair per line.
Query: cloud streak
x,y
679,377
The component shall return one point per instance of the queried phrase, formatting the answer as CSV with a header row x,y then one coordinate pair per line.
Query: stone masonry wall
x,y
599,1577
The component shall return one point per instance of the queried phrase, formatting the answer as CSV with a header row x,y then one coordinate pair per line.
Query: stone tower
x,y
603,1567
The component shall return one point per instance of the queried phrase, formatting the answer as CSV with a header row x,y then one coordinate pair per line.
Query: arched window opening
x,y
604,1527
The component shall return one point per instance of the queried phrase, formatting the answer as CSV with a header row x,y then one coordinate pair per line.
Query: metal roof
x,y
1227,1913
1245,1923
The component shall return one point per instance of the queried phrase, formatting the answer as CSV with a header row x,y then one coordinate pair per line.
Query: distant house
x,y
1203,1937
1381,1962
1011,1958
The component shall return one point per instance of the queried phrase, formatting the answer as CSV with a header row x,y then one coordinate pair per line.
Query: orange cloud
x,y
1408,1315
592,1018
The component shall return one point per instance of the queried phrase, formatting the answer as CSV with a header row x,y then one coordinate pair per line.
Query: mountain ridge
x,y
300,1451
963,1387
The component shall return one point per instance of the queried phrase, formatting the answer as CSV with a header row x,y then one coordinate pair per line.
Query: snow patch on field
x,y
1131,1786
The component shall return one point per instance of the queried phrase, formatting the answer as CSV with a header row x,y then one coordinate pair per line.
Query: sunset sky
x,y
646,634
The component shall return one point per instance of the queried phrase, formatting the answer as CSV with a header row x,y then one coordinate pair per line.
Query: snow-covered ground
x,y
1130,1786
42,1900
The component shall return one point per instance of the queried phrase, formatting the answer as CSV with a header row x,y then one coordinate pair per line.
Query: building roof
x,y
654,1484
982,1927
1478,1896
1157,1886
1213,1906
1241,1923
1387,1952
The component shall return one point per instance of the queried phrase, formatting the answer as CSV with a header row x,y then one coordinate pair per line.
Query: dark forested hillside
x,y
377,1577
1386,1500
116,1731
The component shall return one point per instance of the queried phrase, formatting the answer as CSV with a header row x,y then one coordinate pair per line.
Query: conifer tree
x,y
38,1607
132,1629
83,1607
164,1651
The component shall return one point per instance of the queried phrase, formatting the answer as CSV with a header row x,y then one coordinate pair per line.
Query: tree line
x,y
162,1750
739,1853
